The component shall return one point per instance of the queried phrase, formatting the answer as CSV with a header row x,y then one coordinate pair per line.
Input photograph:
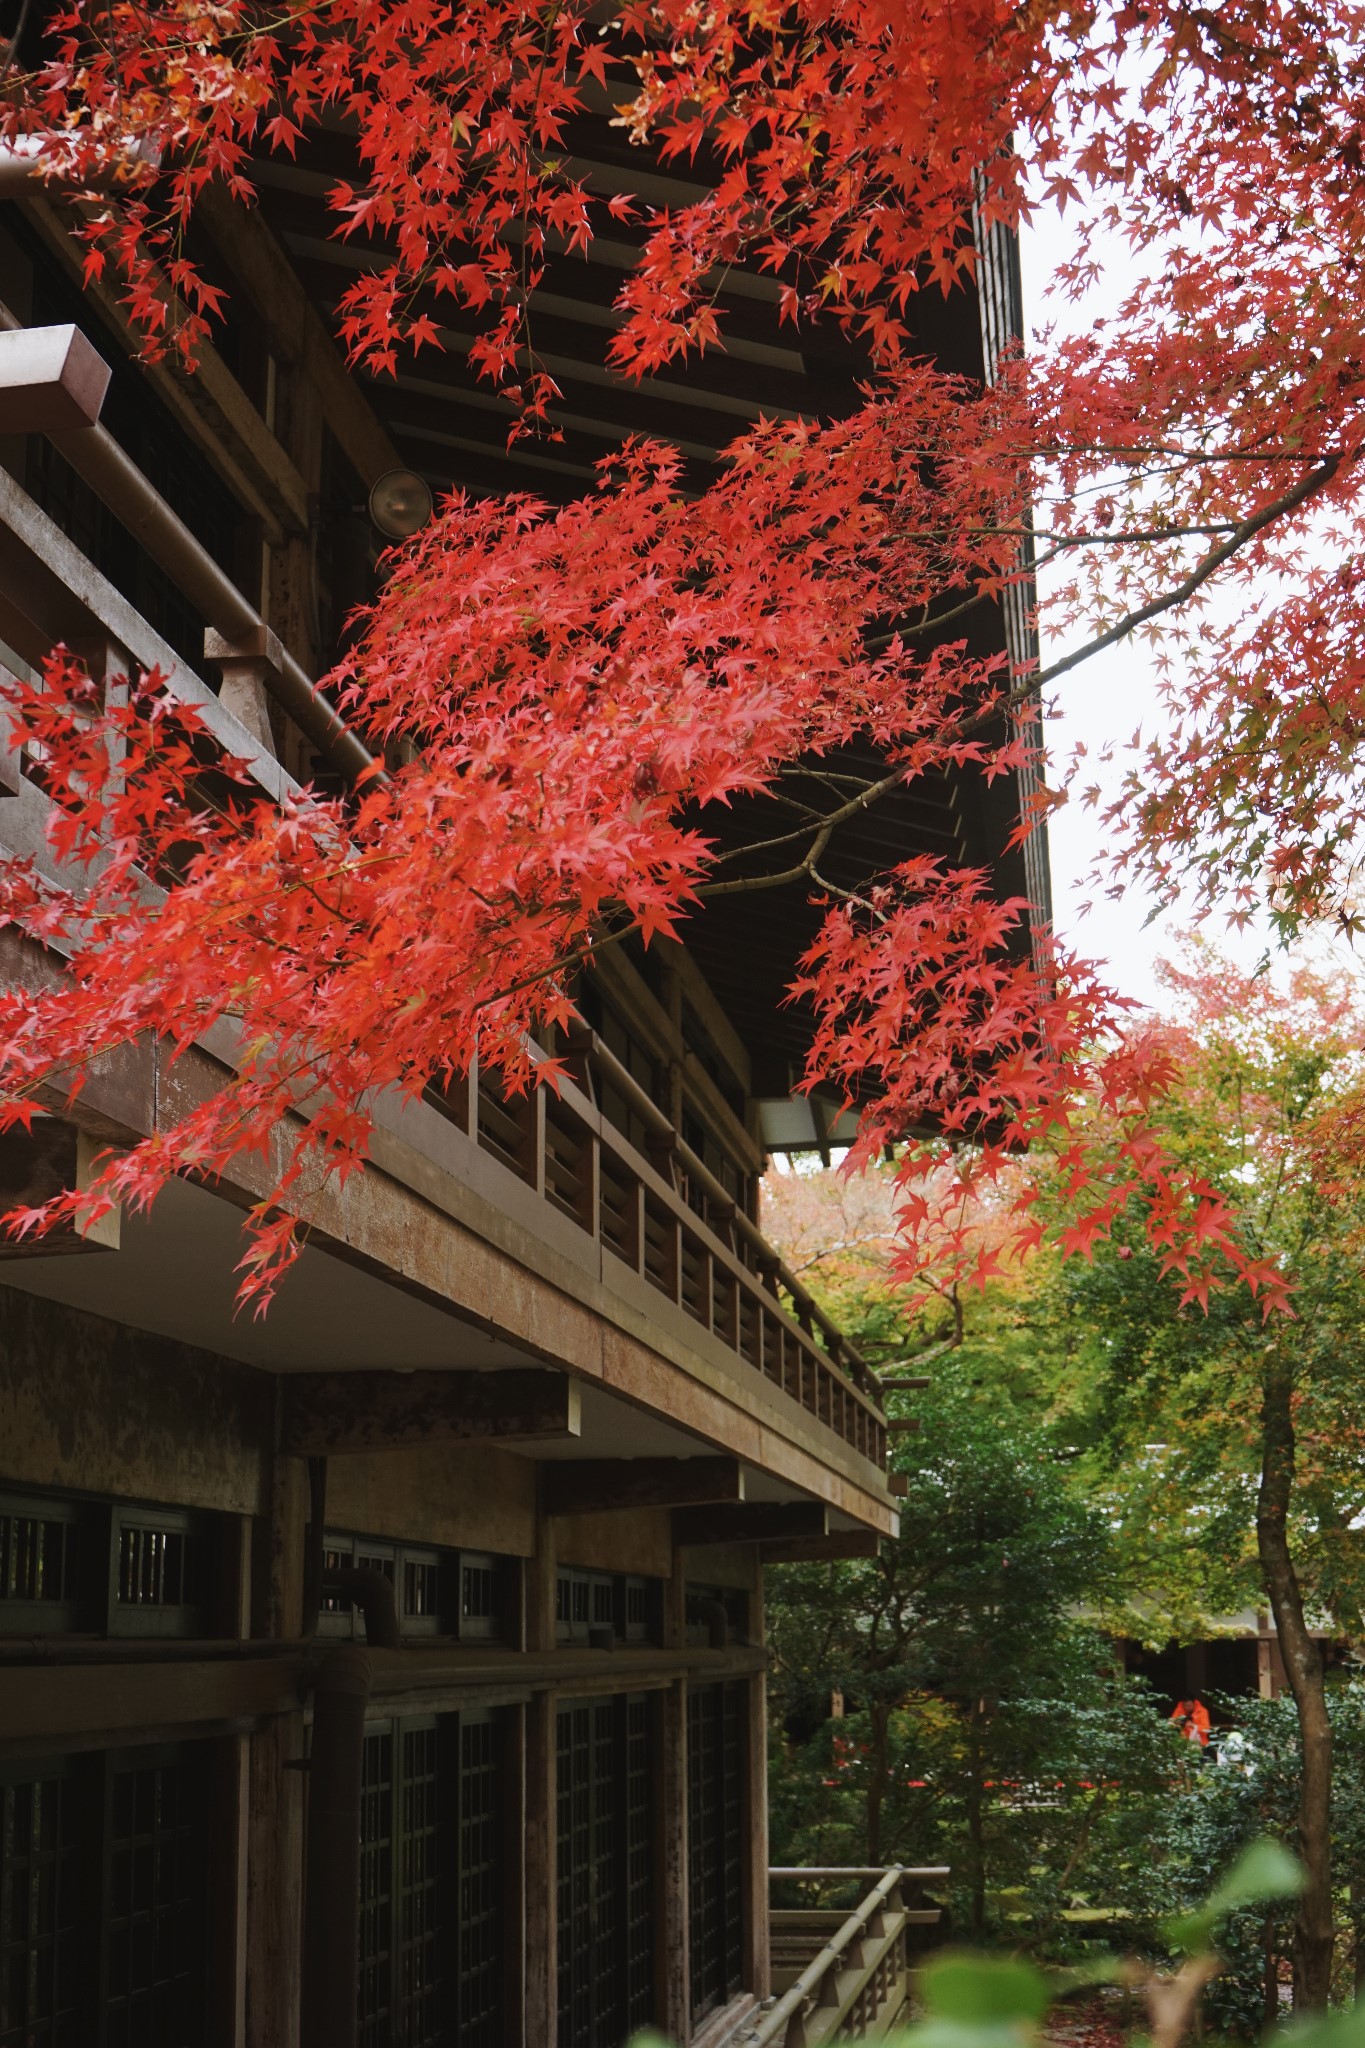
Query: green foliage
x,y
986,1727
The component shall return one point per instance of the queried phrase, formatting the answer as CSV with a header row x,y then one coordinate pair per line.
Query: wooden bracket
x,y
758,1521
839,1543
594,1485
247,668
328,1413
38,1163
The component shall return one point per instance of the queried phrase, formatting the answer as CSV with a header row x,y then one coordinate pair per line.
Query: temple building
x,y
389,1669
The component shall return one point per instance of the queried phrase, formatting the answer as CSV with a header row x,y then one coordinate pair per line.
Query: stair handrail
x,y
785,2020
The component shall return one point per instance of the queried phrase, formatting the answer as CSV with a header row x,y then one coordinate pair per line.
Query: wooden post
x,y
756,1945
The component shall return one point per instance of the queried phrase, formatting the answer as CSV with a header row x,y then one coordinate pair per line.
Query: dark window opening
x,y
605,1900
103,1904
715,1845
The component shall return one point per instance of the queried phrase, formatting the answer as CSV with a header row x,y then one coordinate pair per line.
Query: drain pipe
x,y
331,1908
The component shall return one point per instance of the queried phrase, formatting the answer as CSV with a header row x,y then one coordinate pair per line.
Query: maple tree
x,y
1228,1450
580,688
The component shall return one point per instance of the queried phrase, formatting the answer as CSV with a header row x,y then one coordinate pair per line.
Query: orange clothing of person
x,y
1193,1717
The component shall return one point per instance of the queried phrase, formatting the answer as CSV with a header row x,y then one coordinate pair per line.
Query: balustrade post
x,y
828,1994
795,2036
592,1185
533,1124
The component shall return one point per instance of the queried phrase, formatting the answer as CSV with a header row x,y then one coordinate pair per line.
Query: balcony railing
x,y
842,1976
663,1215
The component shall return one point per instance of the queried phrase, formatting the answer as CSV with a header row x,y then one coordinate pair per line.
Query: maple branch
x,y
805,867
1307,487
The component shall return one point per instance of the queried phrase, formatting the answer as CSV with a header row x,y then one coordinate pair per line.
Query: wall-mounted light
x,y
400,503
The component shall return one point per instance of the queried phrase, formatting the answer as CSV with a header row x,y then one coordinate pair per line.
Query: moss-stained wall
x,y
91,1405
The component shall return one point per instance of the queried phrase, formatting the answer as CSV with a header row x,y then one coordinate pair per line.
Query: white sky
x,y
1101,703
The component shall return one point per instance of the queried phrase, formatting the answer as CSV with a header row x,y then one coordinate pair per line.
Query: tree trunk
x,y
879,1716
976,1832
1313,1926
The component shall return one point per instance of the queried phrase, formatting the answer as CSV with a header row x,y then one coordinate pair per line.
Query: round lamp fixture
x,y
400,503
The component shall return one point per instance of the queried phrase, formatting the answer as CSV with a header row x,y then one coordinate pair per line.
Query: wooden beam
x,y
898,1485
65,1703
758,1521
907,1386
51,380
903,1425
210,406
592,1485
326,1413
839,1543
297,332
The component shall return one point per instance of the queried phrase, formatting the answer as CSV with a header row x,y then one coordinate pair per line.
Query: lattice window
x,y
421,1587
103,1908
421,2004
478,1596
40,1584
375,1989
103,1566
639,1865
432,1875
155,1931
481,1880
573,1606
715,1844
157,1572
41,1985
604,1897
637,1604
438,1592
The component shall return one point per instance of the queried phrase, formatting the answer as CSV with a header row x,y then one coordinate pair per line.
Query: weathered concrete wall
x,y
88,1404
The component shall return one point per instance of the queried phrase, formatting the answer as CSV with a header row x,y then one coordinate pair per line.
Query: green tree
x,y
985,1725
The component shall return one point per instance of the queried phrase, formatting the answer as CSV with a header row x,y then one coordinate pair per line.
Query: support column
x,y
756,1964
